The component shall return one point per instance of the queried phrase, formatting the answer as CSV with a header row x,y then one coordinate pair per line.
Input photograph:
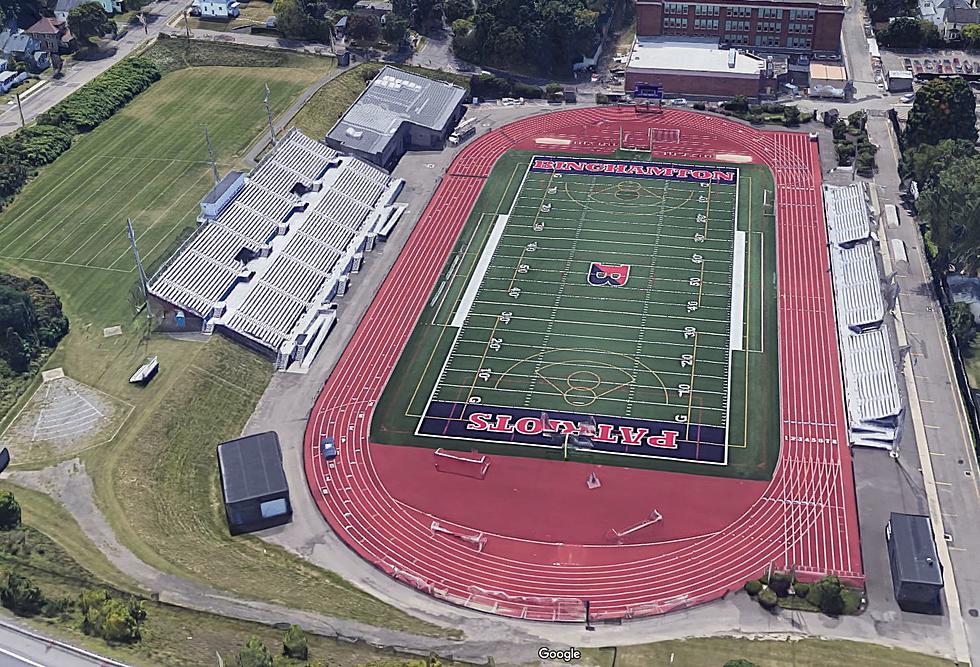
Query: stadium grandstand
x,y
274,249
874,404
397,112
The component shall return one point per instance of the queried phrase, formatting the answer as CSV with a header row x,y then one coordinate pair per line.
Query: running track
x,y
805,518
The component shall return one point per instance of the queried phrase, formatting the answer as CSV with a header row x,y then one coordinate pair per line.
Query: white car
x,y
908,99
678,102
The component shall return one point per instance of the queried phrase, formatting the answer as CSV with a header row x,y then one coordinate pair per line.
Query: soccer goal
x,y
457,464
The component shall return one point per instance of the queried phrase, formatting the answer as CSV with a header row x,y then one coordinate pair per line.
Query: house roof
x,y
395,97
46,26
21,43
68,5
251,467
962,15
373,5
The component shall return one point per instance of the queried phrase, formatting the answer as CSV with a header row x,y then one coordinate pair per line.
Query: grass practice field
x,y
148,162
588,313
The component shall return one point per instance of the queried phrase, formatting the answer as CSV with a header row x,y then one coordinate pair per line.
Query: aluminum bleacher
x,y
874,403
848,219
278,246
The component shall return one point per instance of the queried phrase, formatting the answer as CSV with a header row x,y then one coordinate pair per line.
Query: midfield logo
x,y
613,275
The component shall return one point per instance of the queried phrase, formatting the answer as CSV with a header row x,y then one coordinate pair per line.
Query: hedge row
x,y
97,100
23,151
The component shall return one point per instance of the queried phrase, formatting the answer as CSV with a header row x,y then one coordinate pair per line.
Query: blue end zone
x,y
612,435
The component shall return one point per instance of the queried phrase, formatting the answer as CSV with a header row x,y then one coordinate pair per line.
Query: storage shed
x,y
917,575
253,483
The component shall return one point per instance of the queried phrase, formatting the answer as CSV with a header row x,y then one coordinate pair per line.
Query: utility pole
x,y
139,266
268,111
187,29
20,110
214,165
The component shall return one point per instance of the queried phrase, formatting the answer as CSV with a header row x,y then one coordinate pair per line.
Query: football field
x,y
606,309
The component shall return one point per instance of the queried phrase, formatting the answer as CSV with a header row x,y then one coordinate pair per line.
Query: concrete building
x,y
695,67
792,26
397,112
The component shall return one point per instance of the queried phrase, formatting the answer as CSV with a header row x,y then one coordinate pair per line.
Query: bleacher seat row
x,y
277,247
874,404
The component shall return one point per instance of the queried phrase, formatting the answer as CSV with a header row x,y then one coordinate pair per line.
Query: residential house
x,y
219,9
23,48
949,16
52,35
374,7
62,7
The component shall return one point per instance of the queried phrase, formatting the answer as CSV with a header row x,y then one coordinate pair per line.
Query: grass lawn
x,y
171,54
714,652
55,555
157,481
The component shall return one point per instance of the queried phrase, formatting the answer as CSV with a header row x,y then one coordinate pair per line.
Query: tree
x,y
828,595
951,208
395,30
792,115
9,511
964,326
116,623
740,662
458,9
294,643
254,654
88,21
971,34
924,163
21,596
943,109
363,27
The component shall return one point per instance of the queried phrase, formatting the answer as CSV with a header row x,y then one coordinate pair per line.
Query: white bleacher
x,y
874,402
857,286
847,209
266,266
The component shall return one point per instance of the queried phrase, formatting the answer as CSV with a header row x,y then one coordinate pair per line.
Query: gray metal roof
x,y
68,5
914,550
395,97
222,187
251,467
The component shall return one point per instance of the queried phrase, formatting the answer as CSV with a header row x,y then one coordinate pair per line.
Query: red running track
x,y
543,562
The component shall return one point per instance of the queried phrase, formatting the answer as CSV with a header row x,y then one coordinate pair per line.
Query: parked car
x,y
908,98
678,102
908,63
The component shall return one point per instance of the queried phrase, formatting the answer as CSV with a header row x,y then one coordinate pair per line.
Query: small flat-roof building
x,y
828,81
253,483
397,112
917,576
690,66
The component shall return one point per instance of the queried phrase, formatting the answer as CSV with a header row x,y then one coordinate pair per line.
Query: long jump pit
x,y
601,381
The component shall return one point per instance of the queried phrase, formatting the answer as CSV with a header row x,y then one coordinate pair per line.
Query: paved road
x,y
20,647
78,73
936,417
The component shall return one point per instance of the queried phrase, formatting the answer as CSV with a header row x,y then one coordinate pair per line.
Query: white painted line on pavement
x,y
26,661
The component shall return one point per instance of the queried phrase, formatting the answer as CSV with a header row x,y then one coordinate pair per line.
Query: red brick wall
x,y
826,33
649,21
684,84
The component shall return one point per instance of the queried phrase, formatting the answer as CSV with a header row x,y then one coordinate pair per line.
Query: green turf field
x,y
524,324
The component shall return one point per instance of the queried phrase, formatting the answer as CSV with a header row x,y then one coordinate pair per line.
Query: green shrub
x,y
768,598
9,507
254,654
780,582
699,106
294,643
828,595
753,587
801,589
21,596
100,98
601,98
852,602
740,662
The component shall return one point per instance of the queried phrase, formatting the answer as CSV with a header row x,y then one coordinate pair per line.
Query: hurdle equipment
x,y
617,536
477,540
460,465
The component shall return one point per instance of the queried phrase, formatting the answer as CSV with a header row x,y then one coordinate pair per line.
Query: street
x,y
20,647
